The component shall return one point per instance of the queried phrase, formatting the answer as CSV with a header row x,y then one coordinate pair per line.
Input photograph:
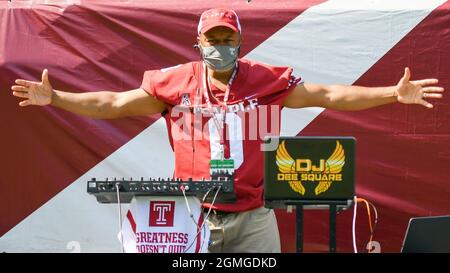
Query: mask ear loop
x,y
238,51
199,48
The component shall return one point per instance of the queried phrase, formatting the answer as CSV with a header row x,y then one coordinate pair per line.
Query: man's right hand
x,y
35,93
98,104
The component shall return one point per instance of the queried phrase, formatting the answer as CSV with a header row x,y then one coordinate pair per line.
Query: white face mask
x,y
220,57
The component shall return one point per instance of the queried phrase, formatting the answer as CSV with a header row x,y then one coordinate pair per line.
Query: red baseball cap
x,y
218,17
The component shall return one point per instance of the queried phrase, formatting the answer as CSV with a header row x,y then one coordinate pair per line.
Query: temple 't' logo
x,y
161,213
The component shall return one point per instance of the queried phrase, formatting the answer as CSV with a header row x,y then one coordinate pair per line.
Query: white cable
x,y
192,215
187,205
206,218
354,225
206,195
203,237
203,201
120,217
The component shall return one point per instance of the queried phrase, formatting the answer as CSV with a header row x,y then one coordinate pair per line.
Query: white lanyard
x,y
220,124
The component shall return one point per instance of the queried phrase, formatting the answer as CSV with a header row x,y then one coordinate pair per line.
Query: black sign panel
x,y
309,168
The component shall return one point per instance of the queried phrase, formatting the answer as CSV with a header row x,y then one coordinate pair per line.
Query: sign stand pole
x,y
333,212
332,207
299,228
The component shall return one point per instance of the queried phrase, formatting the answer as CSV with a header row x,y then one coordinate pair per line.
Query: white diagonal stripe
x,y
338,41
74,216
334,42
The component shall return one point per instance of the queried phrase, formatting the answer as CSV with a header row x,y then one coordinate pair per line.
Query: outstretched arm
x,y
101,104
352,98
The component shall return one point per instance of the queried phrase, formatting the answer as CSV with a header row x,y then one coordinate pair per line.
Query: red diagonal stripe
x,y
93,47
402,153
132,222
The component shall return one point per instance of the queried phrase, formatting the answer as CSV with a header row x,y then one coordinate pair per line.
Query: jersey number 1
x,y
234,124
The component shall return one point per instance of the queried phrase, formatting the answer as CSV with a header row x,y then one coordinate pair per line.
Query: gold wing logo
x,y
327,173
333,165
286,165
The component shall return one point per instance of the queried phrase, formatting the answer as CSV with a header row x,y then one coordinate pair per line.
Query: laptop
x,y
310,170
427,235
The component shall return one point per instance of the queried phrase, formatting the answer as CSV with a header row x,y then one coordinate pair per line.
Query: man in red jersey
x,y
221,108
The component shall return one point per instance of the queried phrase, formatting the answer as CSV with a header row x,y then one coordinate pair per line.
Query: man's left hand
x,y
415,92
